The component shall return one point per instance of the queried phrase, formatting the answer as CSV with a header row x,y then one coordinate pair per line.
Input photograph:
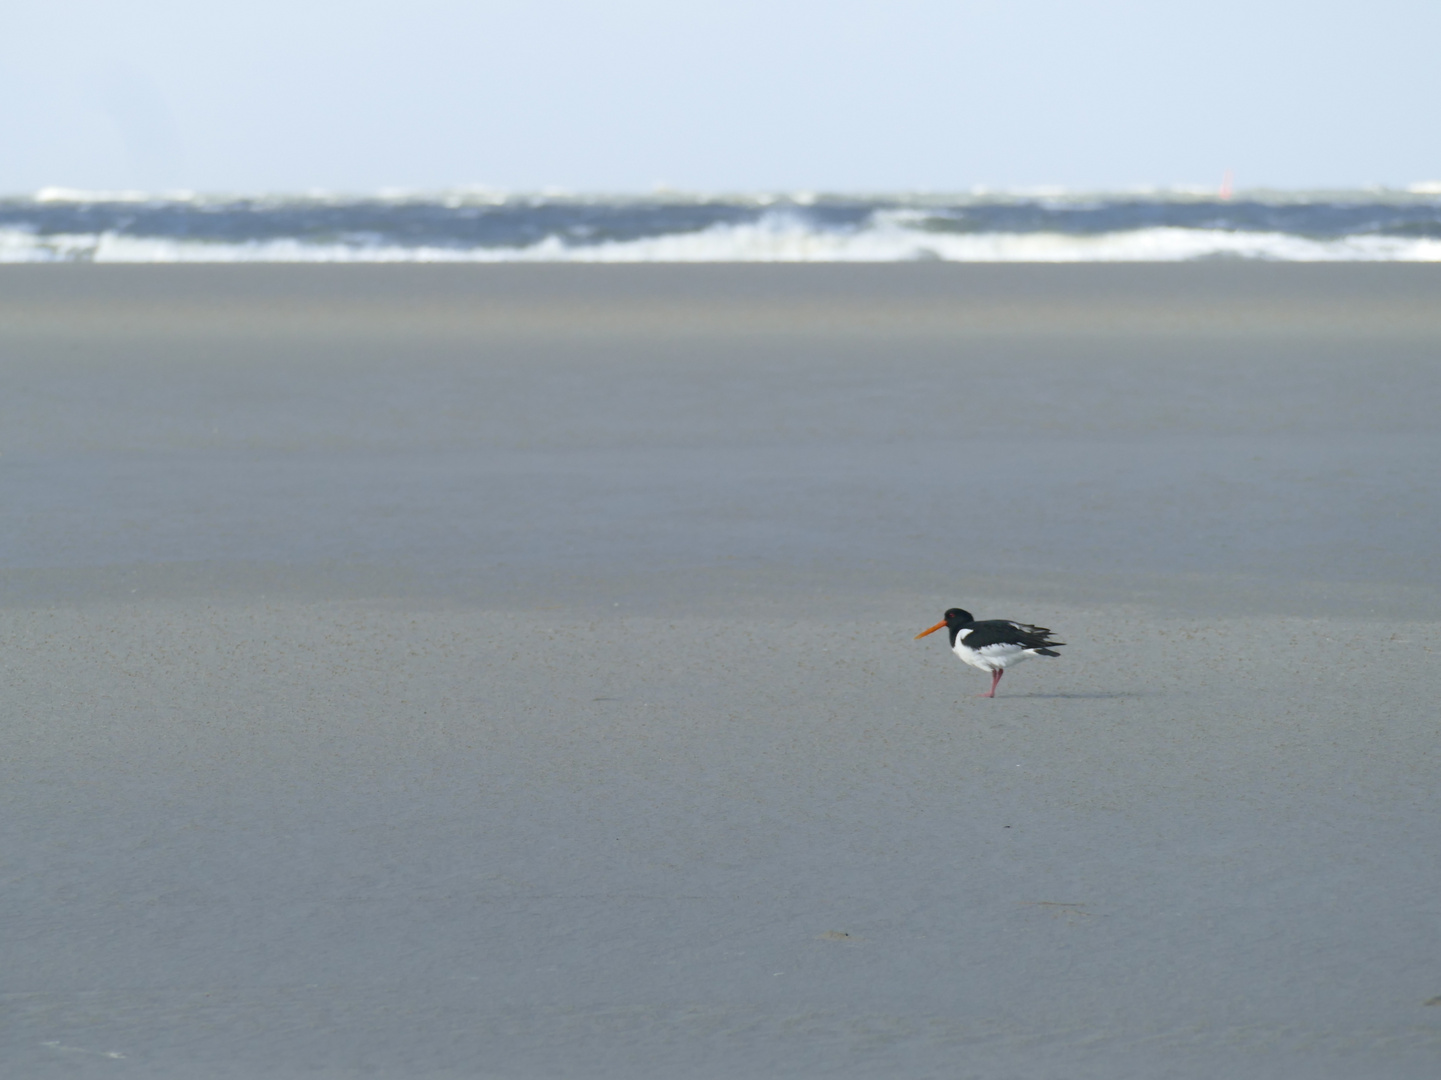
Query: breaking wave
x,y
118,228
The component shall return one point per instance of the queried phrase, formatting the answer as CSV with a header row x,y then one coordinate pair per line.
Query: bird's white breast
x,y
990,657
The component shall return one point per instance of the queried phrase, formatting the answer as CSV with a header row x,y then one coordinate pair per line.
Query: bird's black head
x,y
954,620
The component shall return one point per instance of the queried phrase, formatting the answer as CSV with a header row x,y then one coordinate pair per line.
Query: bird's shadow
x,y
1103,695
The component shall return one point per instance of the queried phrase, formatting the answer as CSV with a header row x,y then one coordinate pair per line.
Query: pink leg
x,y
995,681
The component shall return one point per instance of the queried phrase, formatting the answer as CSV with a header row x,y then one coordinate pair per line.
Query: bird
x,y
994,644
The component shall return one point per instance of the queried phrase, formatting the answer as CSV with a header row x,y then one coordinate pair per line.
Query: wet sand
x,y
465,671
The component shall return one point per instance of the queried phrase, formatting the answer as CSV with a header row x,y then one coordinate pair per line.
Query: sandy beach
x,y
508,671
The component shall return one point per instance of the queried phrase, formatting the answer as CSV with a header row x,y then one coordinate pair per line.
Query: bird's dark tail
x,y
1049,652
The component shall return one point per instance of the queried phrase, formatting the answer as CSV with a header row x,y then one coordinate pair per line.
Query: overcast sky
x,y
292,95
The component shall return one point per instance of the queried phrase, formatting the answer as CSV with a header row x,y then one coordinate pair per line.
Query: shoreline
x,y
449,304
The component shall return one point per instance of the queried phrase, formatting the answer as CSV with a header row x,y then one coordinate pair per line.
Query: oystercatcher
x,y
994,644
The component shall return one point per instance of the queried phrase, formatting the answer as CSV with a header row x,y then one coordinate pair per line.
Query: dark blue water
x,y
73,227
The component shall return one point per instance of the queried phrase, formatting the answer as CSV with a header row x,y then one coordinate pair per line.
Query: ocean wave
x,y
776,237
480,226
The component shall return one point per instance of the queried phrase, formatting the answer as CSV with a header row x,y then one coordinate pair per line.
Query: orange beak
x,y
932,630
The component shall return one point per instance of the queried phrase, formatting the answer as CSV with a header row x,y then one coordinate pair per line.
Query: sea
x,y
473,225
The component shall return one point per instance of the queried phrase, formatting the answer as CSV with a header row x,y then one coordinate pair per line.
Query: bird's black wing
x,y
1005,632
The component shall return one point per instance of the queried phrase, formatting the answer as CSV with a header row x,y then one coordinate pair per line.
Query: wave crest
x,y
723,233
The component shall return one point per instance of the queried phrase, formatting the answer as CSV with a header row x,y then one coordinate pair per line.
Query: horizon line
x,y
482,193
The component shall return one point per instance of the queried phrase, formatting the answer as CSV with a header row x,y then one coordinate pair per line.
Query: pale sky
x,y
843,95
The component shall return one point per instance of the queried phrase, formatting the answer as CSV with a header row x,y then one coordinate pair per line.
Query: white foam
x,y
777,236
